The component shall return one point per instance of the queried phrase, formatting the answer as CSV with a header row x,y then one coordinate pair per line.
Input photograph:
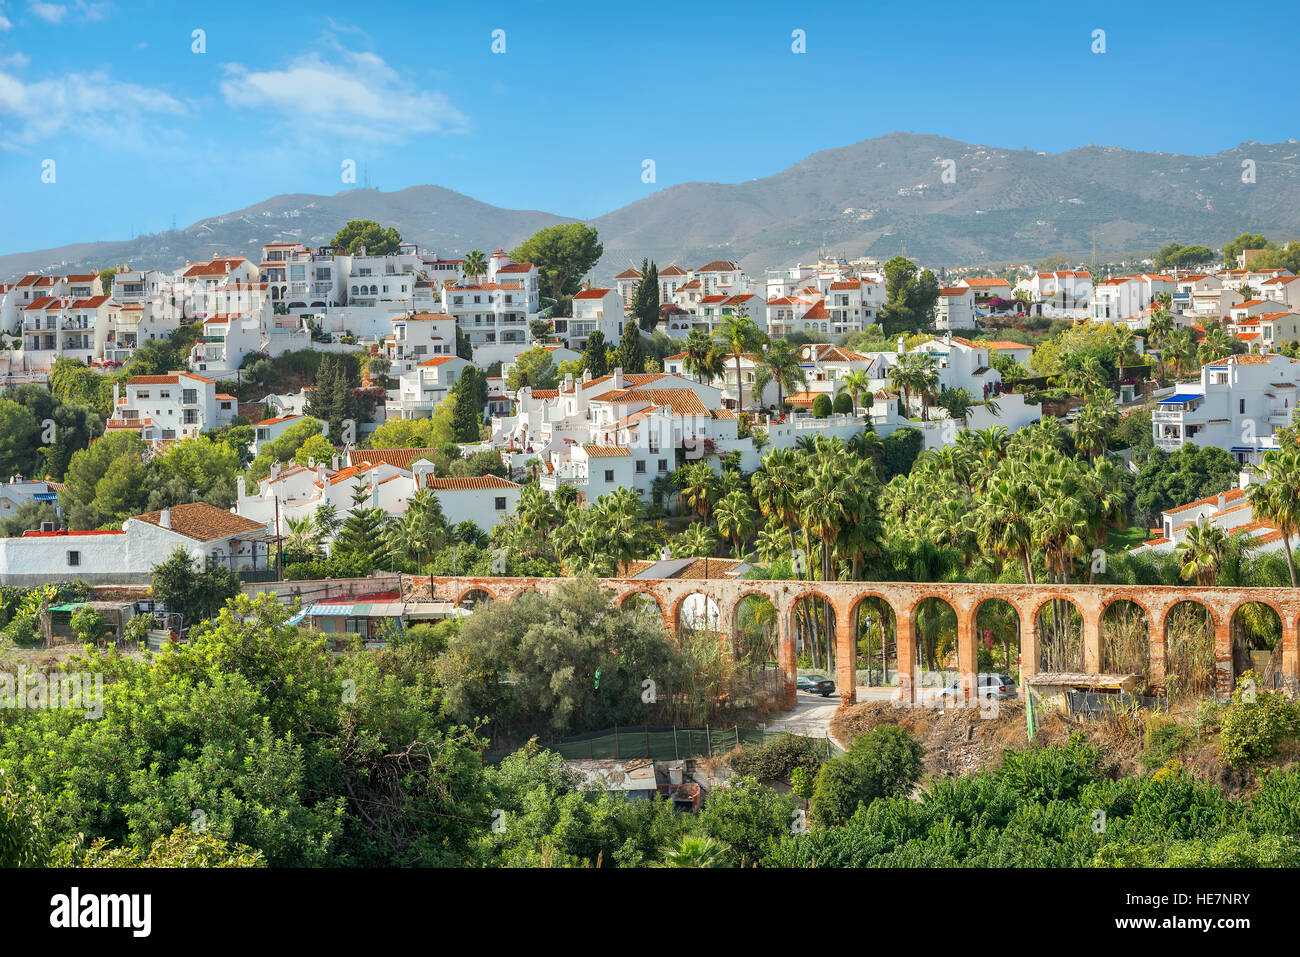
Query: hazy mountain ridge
x,y
875,197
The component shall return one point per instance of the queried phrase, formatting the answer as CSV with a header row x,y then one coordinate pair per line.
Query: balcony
x,y
1169,443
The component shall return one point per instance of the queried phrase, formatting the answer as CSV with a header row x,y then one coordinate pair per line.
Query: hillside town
x,y
582,395
530,484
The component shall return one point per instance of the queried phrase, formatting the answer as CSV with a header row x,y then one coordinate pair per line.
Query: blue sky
x,y
142,129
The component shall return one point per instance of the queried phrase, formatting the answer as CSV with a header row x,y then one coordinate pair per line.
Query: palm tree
x,y
779,363
475,264
1277,499
1179,349
699,487
858,381
1216,345
739,335
1094,423
701,355
303,538
1203,552
698,541
735,518
694,851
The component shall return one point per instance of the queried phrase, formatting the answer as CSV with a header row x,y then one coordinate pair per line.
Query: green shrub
x,y
1255,721
884,762
776,760
821,406
1166,741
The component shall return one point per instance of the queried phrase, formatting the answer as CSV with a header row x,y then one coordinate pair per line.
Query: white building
x,y
1238,405
128,555
163,408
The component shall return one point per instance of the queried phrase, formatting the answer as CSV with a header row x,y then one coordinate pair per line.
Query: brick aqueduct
x,y
904,599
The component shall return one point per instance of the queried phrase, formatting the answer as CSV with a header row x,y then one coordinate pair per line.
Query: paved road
x,y
812,713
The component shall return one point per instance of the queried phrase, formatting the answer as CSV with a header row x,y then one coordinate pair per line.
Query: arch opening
x,y
474,598
812,621
935,627
1257,642
1189,651
997,637
1126,640
1059,624
754,629
876,631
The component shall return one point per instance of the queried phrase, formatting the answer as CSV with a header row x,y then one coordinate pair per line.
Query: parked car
x,y
814,685
991,685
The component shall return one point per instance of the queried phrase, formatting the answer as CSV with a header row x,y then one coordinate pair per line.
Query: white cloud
x,y
4,21
348,93
16,60
91,103
82,10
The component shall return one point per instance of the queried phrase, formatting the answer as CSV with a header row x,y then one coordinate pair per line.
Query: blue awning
x,y
1181,397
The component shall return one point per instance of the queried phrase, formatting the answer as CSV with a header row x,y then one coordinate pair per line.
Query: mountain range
x,y
939,201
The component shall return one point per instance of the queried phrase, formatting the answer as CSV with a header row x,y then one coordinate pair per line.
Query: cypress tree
x,y
593,356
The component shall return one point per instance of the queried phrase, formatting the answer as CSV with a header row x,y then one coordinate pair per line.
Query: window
x,y
189,396
609,475
663,465
1241,406
501,503
74,558
640,466
164,394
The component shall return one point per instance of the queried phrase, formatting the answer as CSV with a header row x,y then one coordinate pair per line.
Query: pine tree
x,y
362,536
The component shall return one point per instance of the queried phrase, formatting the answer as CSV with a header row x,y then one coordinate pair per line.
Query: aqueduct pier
x,y
904,600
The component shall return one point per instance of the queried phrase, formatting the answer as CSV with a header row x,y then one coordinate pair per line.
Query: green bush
x,y
884,762
821,406
844,404
1166,741
1255,721
776,760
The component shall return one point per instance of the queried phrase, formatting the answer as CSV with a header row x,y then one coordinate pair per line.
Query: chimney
x,y
334,463
320,472
374,494
947,338
165,518
618,377
586,375
568,382
241,485
902,345
275,470
1222,499
665,553
116,389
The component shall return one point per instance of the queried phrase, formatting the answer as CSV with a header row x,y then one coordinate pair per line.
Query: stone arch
x,y
1126,639
1256,627
764,629
1059,620
812,618
472,589
1191,631
621,602
998,634
876,634
709,615
936,625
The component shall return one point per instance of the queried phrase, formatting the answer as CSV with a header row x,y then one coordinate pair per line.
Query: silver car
x,y
992,684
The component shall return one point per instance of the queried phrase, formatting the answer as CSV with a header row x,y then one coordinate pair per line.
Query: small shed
x,y
1054,687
